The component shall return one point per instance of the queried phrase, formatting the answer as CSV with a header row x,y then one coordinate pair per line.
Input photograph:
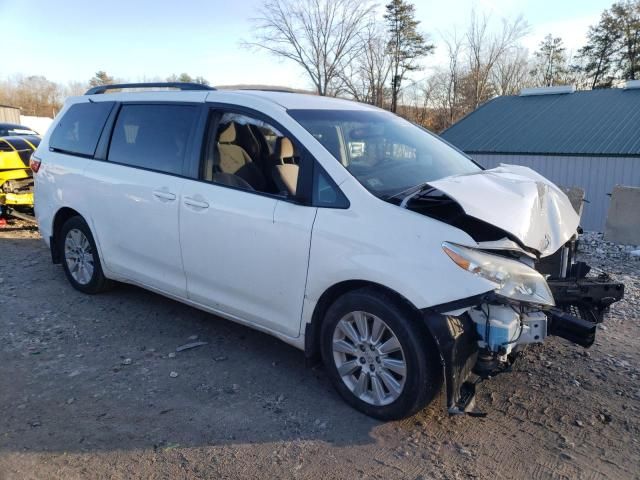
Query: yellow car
x,y
17,143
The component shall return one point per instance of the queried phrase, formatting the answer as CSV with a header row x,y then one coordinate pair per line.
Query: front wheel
x,y
379,358
80,257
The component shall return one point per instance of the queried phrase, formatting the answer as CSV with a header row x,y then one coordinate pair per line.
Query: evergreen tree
x,y
406,44
600,52
612,51
201,80
551,61
101,78
626,15
186,78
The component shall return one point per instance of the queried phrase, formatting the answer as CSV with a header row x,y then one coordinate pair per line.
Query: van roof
x,y
299,101
286,99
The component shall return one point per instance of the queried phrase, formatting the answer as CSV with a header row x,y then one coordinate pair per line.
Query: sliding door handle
x,y
164,195
197,204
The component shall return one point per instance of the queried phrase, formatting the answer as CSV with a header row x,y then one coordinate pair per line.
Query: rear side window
x,y
153,136
79,129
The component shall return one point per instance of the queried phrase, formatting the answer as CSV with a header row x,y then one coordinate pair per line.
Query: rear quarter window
x,y
80,127
155,137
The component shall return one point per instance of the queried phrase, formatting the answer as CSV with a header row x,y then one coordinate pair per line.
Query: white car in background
x,y
335,226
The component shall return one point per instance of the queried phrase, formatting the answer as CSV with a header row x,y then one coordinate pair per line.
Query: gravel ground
x,y
93,387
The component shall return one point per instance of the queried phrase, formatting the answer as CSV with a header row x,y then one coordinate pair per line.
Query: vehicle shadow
x,y
95,373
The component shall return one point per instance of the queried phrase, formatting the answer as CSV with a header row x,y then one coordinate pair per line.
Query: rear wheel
x,y
80,257
377,356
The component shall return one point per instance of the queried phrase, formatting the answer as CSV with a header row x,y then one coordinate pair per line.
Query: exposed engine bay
x,y
503,328
526,240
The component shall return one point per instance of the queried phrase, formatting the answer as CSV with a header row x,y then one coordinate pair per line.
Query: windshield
x,y
385,153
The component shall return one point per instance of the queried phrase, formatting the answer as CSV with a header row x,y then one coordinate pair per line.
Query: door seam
x,y
306,277
184,272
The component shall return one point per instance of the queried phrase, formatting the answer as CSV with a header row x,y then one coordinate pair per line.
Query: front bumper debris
x,y
581,305
457,344
570,327
486,339
588,298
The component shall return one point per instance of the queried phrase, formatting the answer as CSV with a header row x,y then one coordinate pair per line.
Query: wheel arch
x,y
62,215
330,295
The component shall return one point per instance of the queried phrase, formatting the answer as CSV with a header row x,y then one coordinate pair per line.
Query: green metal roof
x,y
602,122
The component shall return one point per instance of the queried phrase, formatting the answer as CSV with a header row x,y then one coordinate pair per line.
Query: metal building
x,y
9,114
588,139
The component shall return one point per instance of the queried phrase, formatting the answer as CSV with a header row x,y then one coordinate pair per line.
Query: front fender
x,y
389,246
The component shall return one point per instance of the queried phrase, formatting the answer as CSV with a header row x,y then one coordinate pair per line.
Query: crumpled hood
x,y
517,200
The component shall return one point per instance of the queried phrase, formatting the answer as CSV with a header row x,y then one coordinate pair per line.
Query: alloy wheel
x,y
369,358
79,256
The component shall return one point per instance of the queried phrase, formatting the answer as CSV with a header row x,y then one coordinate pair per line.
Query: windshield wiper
x,y
407,194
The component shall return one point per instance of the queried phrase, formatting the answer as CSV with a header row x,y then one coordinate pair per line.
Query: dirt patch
x,y
92,387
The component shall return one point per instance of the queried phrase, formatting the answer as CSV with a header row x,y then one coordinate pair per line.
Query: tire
x,y
380,398
75,236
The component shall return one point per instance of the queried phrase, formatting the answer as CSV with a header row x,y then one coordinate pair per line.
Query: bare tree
x,y
366,76
75,89
511,72
34,95
454,45
485,49
482,62
417,97
318,35
438,87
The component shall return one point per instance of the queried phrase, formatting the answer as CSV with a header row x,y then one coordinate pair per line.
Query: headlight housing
x,y
513,279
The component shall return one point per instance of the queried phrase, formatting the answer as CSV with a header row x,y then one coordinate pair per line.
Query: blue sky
x,y
71,39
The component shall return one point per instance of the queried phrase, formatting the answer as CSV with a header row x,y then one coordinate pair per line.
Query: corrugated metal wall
x,y
9,114
597,175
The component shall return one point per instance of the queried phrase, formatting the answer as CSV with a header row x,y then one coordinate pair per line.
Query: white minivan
x,y
340,228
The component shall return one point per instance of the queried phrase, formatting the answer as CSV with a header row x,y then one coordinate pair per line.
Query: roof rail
x,y
121,86
268,89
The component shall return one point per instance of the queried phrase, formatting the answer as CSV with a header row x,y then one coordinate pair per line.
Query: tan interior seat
x,y
283,171
230,180
246,140
234,160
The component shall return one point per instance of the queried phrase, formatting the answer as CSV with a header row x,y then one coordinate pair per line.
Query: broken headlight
x,y
513,279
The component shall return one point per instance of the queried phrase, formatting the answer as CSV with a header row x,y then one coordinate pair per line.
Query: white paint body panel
x,y
383,243
266,262
136,225
57,182
517,200
246,255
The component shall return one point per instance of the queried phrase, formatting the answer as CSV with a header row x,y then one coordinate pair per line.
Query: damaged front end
x,y
480,337
526,246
